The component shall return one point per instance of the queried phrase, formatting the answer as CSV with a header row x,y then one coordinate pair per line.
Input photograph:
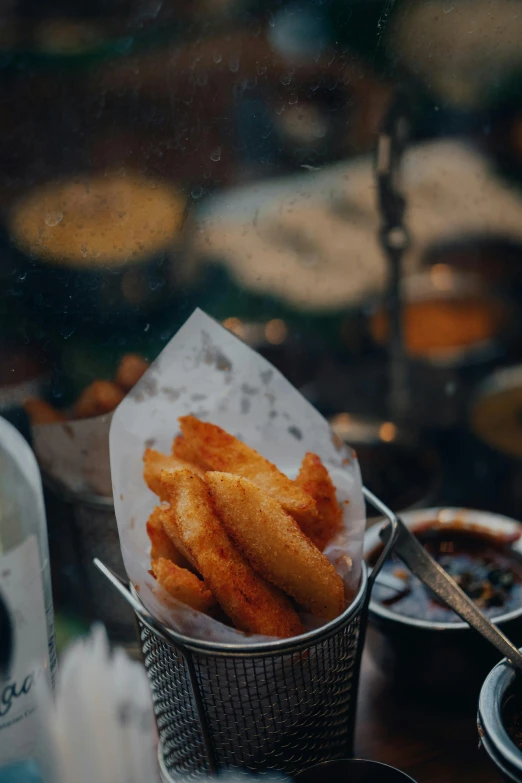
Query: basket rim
x,y
276,647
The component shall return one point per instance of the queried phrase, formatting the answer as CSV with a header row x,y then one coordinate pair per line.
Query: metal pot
x,y
495,259
445,286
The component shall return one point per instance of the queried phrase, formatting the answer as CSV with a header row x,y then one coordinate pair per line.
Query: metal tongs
x,y
398,538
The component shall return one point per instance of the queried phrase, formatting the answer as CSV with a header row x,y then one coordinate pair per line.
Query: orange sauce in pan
x,y
438,324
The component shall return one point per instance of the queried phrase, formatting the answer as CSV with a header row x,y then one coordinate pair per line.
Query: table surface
x,y
428,742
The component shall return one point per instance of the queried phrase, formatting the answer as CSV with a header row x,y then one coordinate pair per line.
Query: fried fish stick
x,y
172,533
41,412
155,462
161,545
183,585
222,452
98,398
274,544
130,369
182,449
316,482
251,603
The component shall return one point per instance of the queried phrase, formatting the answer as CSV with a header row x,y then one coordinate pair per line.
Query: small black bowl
x,y
354,771
499,688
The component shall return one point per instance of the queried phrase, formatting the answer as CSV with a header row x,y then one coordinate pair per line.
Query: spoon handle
x,y
412,553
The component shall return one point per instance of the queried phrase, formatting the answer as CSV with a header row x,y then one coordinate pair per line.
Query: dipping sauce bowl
x,y
420,643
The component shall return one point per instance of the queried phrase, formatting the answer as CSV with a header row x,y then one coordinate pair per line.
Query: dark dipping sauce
x,y
512,717
486,568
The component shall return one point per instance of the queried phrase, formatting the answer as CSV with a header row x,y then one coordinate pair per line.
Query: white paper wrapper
x,y
76,454
207,371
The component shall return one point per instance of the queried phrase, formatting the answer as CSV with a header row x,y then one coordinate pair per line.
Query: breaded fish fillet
x,y
275,545
251,603
316,482
183,585
154,462
221,451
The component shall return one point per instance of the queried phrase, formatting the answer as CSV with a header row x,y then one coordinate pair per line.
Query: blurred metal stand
x,y
395,241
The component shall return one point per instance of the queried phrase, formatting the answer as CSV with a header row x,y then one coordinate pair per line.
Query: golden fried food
x,y
183,585
183,449
274,544
314,479
221,451
161,545
251,603
130,369
41,412
154,463
98,398
172,533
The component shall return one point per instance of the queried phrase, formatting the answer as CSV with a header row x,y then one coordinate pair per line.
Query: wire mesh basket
x,y
83,527
284,707
281,705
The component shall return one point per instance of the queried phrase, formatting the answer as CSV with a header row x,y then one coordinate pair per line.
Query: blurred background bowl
x,y
451,318
97,248
402,472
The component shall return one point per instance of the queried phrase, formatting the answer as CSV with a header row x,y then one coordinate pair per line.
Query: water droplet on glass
x,y
22,276
216,155
147,327
53,218
233,63
66,331
271,19
197,192
310,259
217,58
450,388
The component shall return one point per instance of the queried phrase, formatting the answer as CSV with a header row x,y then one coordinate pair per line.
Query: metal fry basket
x,y
82,527
281,705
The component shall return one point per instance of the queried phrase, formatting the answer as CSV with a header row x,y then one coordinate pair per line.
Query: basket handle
x,y
392,532
122,587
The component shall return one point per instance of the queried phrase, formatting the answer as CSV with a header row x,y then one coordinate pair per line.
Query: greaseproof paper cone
x,y
207,371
